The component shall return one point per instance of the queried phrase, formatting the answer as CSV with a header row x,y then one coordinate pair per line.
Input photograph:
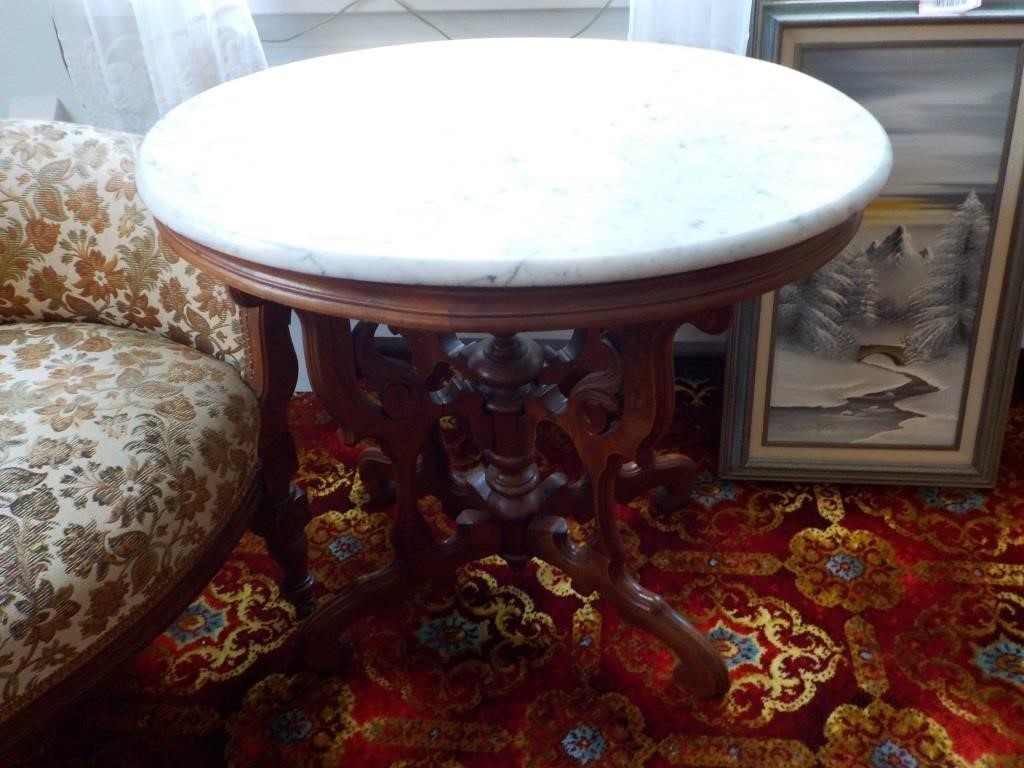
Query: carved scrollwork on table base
x,y
610,390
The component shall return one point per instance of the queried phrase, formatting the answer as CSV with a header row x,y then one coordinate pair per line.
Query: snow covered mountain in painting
x,y
894,252
899,269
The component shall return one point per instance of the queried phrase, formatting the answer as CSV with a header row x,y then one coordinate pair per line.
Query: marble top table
x,y
512,162
619,189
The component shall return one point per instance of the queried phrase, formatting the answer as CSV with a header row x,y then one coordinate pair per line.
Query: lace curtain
x,y
720,24
132,60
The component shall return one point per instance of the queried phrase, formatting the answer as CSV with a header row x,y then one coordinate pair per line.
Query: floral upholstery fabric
x,y
127,442
77,243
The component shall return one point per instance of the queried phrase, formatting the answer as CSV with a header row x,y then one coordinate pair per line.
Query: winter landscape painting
x,y
874,347
895,361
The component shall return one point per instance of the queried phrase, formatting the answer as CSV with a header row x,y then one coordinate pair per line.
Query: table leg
x,y
615,417
403,418
700,669
671,475
282,516
613,394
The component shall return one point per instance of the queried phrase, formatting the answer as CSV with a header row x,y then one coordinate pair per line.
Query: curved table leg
x,y
671,476
321,638
323,644
614,418
403,418
377,475
283,514
281,521
700,670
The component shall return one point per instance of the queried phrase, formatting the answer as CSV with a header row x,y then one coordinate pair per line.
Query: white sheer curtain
x,y
132,60
720,24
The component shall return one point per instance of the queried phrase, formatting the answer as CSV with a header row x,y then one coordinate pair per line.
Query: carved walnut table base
x,y
611,392
610,389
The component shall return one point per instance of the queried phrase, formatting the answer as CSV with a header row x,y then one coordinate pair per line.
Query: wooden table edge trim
x,y
496,310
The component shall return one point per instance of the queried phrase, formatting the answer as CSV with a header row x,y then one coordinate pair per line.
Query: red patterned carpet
x,y
863,626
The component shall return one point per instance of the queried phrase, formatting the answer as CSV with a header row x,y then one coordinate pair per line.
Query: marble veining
x,y
512,162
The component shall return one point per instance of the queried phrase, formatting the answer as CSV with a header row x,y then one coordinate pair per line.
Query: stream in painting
x,y
858,418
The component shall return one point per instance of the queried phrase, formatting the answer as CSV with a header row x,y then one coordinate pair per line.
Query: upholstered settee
x,y
130,410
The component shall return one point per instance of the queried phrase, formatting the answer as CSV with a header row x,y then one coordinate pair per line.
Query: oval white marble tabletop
x,y
512,162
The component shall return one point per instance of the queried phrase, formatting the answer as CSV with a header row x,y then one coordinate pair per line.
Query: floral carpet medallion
x,y
852,569
882,736
298,720
477,640
346,544
583,727
221,635
970,653
867,626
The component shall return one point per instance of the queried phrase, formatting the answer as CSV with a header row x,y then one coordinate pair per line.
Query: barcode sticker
x,y
937,7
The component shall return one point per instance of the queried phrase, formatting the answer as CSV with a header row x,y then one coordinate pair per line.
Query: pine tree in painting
x,y
787,312
942,310
811,312
862,300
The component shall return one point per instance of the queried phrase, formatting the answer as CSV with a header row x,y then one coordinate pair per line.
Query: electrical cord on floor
x,y
408,8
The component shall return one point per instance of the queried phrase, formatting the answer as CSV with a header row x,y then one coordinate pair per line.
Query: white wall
x,y
32,75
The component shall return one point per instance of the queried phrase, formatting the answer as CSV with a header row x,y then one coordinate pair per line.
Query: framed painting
x,y
895,362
